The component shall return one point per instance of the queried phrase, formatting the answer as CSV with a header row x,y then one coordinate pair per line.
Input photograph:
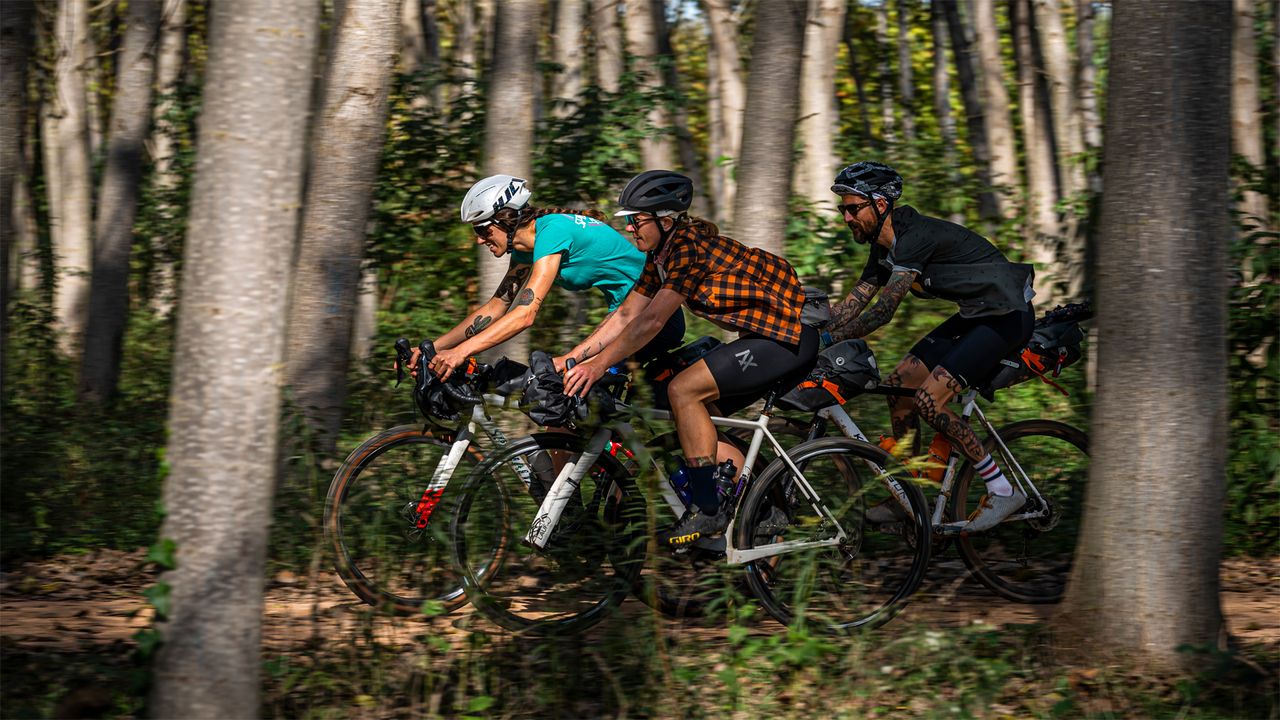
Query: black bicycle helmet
x,y
660,192
869,179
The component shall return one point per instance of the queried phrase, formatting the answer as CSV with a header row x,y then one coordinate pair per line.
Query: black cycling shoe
x,y
692,526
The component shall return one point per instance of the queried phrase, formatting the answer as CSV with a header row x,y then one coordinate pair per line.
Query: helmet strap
x,y
880,217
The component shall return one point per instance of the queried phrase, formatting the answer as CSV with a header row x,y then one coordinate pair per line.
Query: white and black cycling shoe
x,y
693,526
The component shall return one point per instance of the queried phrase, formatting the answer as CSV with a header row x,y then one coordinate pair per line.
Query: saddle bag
x,y
1055,344
844,370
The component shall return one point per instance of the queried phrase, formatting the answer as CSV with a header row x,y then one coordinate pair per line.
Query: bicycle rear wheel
x,y
591,558
1029,561
861,582
390,541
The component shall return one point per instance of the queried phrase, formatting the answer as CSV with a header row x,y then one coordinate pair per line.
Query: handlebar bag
x,y
544,398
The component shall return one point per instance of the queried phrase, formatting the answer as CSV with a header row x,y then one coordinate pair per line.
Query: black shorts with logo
x,y
745,369
971,348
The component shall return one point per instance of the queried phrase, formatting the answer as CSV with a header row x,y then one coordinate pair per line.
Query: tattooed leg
x,y
931,401
902,410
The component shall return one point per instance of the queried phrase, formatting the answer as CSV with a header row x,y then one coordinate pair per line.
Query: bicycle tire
x,y
598,541
370,523
857,585
1041,576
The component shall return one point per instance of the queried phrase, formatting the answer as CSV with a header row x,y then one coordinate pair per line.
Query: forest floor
x,y
79,611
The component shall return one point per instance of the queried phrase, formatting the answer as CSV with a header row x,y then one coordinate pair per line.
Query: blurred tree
x,y
906,79
118,203
1246,111
644,22
225,409
567,41
773,86
1145,584
862,106
346,149
974,111
884,73
1040,218
16,22
170,60
995,103
730,104
819,117
607,43
1087,88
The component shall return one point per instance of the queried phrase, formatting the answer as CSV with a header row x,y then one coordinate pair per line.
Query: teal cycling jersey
x,y
592,254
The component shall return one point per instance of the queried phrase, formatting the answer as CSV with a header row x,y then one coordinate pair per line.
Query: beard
x,y
862,232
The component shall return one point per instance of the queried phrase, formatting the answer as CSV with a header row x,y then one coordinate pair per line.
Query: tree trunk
x,y
975,113
1087,87
73,249
906,81
16,21
859,81
1004,159
465,51
118,204
224,416
413,50
366,322
1246,111
608,44
773,87
1042,218
25,267
1066,113
717,172
1145,581
170,60
347,148
819,117
689,163
641,28
885,72
942,83
732,106
509,126
568,43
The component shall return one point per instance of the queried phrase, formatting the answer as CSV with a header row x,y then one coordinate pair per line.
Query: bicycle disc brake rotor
x,y
1049,520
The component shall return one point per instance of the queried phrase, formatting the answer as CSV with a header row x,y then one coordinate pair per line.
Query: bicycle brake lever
x,y
403,355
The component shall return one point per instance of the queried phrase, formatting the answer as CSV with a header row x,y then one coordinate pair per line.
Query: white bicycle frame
x,y
462,438
571,475
969,403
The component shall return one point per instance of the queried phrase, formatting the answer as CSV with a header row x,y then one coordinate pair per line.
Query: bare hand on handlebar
x,y
446,361
581,377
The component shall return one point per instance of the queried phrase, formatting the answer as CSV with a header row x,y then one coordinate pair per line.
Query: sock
x,y
997,483
702,489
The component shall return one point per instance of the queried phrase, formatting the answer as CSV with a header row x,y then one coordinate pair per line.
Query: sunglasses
x,y
481,228
852,208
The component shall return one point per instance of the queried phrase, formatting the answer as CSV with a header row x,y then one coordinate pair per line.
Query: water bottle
x,y
680,481
726,480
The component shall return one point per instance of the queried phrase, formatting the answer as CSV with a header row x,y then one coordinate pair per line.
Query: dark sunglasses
x,y
479,228
852,208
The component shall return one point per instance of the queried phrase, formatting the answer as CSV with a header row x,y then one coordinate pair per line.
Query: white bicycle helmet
x,y
493,194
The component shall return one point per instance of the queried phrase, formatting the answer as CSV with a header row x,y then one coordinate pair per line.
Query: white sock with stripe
x,y
997,483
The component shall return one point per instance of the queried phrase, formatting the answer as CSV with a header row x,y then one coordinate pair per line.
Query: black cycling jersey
x,y
953,263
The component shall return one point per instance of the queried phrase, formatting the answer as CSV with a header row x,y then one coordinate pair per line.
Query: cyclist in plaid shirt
x,y
738,288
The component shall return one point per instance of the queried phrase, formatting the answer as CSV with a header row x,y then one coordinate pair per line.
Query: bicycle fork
x,y
566,482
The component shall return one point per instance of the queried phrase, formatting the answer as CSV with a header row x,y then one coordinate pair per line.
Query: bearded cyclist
x,y
574,249
930,258
736,287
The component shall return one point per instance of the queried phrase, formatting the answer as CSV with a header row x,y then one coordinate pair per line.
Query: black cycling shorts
x,y
745,369
971,348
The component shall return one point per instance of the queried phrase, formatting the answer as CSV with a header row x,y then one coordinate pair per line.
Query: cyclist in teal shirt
x,y
574,249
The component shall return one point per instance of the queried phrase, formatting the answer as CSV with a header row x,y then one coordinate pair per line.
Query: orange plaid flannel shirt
x,y
728,283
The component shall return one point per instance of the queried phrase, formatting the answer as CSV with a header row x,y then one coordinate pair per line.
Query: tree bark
x,y
1041,216
1004,159
773,86
689,163
346,152
885,72
942,82
819,117
224,415
643,22
859,81
1087,88
906,81
16,22
732,96
118,204
974,111
607,44
509,127
1246,111
568,43
73,248
1145,581
170,61
1066,113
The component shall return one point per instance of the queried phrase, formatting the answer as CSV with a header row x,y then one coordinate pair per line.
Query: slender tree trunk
x,y
942,82
118,204
413,50
974,111
224,415
859,81
1141,589
906,81
346,151
1004,159
1087,88
366,322
16,22
509,126
1246,111
885,72
25,267
689,163
773,87
170,60
568,43
1042,218
1066,113
819,117
733,99
717,172
608,43
641,28
74,247
465,51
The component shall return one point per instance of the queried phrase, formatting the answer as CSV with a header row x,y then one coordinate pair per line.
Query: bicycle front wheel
x,y
389,535
864,579
1029,561
591,558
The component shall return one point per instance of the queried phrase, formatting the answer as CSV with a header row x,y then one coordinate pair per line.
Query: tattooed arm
x,y
843,313
609,330
482,317
856,325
